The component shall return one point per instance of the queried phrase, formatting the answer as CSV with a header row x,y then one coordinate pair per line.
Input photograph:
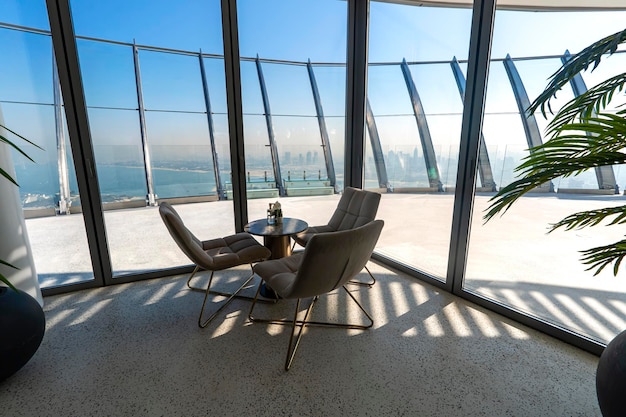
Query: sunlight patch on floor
x,y
399,299
161,293
91,312
586,319
603,311
483,322
52,319
433,326
552,308
457,321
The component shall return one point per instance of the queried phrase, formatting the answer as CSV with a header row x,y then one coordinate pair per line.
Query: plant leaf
x,y
14,146
579,62
600,257
5,279
591,218
7,176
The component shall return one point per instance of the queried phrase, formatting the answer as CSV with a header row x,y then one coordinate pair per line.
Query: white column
x,y
14,243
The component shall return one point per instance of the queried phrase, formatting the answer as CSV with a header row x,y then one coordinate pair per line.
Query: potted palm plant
x,y
22,321
588,131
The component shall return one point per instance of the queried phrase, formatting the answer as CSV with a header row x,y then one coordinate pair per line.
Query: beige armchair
x,y
213,255
328,262
355,208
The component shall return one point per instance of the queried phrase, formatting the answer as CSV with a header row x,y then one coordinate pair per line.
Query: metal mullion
x,y
230,38
66,55
604,174
147,160
207,101
377,150
64,178
473,113
270,131
356,91
529,122
328,157
484,165
426,141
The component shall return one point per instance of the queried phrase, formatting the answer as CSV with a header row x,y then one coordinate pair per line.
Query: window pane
x,y
512,259
48,185
293,53
416,123
153,123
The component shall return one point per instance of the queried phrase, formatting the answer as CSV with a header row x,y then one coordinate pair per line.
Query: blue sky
x,y
291,30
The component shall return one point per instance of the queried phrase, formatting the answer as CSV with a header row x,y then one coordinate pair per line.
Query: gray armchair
x,y
213,255
328,262
355,208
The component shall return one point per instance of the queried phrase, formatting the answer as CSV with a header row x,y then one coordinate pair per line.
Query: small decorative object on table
x,y
275,214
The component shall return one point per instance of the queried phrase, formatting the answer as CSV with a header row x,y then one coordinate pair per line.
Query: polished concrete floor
x,y
512,259
136,350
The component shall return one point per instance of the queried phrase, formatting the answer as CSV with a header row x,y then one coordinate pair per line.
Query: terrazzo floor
x,y
136,350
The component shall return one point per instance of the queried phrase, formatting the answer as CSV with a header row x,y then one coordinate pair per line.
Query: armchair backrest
x,y
356,208
331,259
186,241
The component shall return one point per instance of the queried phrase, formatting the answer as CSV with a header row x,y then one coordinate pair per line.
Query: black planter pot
x,y
22,325
611,378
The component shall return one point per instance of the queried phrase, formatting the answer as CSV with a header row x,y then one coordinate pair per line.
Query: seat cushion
x,y
303,238
279,274
355,208
237,249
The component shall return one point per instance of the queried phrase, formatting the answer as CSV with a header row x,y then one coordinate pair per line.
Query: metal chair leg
x,y
222,293
293,346
254,319
204,323
365,284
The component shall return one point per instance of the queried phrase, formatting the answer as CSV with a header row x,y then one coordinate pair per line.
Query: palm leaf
x,y
571,153
600,257
580,62
591,218
582,135
5,279
4,139
591,101
7,176
13,145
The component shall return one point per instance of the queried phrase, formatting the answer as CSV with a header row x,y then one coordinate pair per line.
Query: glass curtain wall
x,y
293,74
157,112
415,80
32,105
512,260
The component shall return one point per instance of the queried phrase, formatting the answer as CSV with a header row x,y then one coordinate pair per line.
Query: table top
x,y
289,226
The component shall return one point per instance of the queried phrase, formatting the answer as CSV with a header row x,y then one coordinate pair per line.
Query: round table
x,y
276,237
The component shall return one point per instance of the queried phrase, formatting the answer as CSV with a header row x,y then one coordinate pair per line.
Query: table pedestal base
x,y
279,245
